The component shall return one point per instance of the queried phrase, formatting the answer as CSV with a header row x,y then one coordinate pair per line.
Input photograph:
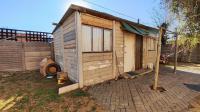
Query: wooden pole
x,y
158,60
175,52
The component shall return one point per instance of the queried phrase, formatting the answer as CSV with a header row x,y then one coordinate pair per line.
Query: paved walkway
x,y
135,95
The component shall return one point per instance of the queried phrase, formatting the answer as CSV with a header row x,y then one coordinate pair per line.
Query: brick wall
x,y
17,56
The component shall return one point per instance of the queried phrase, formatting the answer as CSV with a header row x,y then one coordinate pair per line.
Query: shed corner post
x,y
114,50
79,48
63,49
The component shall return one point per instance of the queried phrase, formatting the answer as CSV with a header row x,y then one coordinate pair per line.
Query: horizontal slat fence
x,y
193,56
21,56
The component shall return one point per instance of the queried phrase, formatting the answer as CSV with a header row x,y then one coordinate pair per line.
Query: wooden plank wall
x,y
17,56
119,46
96,21
11,56
97,67
149,56
34,53
58,47
70,49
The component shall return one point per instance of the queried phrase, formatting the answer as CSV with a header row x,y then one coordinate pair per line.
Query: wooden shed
x,y
91,46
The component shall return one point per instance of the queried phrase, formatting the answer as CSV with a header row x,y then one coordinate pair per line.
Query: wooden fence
x,y
193,56
21,56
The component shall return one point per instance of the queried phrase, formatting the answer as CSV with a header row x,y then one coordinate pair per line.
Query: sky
x,y
38,15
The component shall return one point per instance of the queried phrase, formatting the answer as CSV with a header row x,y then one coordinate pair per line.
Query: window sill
x,y
99,52
151,50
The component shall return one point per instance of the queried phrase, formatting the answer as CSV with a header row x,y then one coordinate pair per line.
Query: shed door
x,y
139,51
129,52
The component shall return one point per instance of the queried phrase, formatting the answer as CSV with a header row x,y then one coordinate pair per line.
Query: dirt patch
x,y
194,105
29,91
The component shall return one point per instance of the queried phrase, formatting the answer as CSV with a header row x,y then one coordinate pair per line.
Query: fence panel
x,y
20,56
193,56
34,53
11,56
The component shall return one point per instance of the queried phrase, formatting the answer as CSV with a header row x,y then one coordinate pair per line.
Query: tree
x,y
187,13
162,16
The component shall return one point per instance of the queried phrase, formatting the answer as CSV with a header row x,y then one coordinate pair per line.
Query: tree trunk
x,y
158,60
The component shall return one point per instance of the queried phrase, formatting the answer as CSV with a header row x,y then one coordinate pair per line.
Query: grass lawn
x,y
30,92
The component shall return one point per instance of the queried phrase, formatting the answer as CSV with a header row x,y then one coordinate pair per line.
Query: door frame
x,y
141,55
134,42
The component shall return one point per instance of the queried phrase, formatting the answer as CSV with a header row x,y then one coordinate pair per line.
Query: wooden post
x,y
114,54
79,47
175,52
158,60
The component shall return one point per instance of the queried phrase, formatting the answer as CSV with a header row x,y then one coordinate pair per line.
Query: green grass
x,y
38,94
79,93
46,95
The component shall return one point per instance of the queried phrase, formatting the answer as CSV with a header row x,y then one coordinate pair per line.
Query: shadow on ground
x,y
195,87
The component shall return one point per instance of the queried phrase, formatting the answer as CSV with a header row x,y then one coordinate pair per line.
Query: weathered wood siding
x,y
149,55
20,56
11,56
97,67
58,47
96,21
34,53
70,47
65,47
119,46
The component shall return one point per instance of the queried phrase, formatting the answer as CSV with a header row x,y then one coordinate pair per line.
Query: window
x,y
87,38
95,39
107,40
152,44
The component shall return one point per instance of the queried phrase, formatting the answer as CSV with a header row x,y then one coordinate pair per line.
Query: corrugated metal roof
x,y
137,30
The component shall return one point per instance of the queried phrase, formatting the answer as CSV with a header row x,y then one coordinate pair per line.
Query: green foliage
x,y
187,11
187,43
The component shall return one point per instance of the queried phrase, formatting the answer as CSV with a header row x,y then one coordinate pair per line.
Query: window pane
x,y
97,39
107,40
86,38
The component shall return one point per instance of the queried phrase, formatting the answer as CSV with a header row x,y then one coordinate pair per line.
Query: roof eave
x,y
73,8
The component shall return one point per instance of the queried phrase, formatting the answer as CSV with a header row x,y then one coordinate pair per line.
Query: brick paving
x,y
135,95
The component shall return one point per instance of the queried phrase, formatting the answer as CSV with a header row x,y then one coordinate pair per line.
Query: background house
x,y
92,46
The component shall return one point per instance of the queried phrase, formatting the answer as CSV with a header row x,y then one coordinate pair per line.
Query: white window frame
x,y
103,50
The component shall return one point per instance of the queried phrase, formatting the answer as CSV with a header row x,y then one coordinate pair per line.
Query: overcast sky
x,y
38,15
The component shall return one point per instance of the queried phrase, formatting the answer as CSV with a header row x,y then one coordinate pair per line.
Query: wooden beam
x,y
175,52
157,60
114,55
79,45
67,88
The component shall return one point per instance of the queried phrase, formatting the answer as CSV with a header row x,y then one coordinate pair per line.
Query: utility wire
x,y
110,9
120,13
